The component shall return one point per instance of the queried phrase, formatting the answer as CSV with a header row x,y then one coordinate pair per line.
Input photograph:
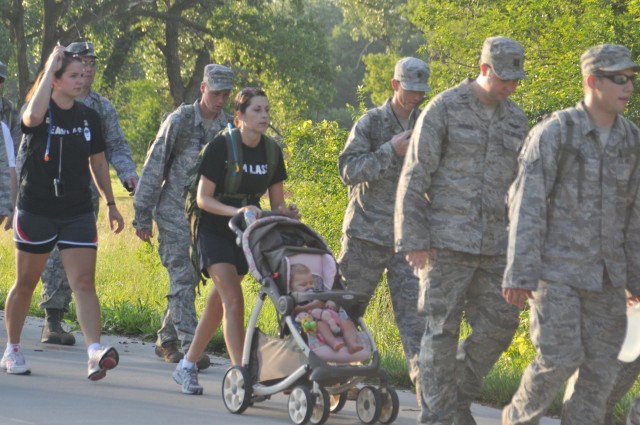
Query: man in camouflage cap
x,y
8,111
160,196
573,242
370,165
450,222
56,293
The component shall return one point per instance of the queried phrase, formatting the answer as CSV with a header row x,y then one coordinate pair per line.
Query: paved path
x,y
140,391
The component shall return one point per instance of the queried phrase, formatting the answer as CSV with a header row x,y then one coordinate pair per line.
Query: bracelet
x,y
111,203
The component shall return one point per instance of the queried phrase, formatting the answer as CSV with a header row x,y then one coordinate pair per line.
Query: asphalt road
x,y
140,391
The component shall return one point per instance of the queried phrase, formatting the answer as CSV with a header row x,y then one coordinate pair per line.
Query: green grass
x,y
132,284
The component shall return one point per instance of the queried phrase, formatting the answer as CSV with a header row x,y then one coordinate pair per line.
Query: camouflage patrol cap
x,y
3,70
413,74
82,48
505,56
607,58
218,77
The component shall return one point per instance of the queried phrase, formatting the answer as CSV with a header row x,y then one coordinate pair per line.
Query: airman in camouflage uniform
x,y
370,164
8,111
56,293
160,196
450,221
574,217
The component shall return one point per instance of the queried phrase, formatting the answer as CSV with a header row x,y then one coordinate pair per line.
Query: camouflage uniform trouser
x,y
362,264
180,318
56,292
634,413
571,329
451,372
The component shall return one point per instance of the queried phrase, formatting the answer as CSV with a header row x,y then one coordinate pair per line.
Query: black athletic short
x,y
214,249
39,234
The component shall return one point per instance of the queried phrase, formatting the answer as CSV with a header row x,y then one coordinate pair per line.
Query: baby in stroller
x,y
323,315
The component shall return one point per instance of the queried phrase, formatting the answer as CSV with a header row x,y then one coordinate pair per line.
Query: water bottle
x,y
249,217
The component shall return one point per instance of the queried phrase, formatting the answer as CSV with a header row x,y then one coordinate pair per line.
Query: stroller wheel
x,y
300,405
236,389
321,408
368,404
337,402
389,405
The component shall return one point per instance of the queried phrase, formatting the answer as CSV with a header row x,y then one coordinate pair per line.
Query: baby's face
x,y
302,282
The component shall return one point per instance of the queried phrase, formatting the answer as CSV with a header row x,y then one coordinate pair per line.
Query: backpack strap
x,y
375,129
193,214
569,153
234,165
182,136
233,176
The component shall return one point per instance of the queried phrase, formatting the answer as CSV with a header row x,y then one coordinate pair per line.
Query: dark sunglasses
x,y
619,79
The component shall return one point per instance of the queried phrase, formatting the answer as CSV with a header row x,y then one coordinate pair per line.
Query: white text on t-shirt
x,y
256,169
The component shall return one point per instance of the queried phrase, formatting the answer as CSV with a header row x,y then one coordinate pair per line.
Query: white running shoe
x,y
15,363
188,378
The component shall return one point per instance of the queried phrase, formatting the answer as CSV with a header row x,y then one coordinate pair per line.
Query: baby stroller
x,y
315,376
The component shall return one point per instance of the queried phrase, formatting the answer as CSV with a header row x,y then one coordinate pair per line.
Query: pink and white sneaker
x,y
15,363
101,361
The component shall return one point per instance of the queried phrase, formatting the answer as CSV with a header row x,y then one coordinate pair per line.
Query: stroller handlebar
x,y
237,223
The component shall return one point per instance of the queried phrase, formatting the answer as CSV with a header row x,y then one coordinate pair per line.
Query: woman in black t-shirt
x,y
219,254
65,149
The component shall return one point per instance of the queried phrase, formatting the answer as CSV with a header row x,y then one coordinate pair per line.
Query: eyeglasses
x,y
89,63
619,79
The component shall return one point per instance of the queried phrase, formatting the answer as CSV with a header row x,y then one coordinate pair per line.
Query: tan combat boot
x,y
52,331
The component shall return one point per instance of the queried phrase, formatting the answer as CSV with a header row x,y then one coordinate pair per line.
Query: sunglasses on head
x,y
71,55
619,79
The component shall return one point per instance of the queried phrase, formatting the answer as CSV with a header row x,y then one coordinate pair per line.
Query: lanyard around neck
x,y
46,152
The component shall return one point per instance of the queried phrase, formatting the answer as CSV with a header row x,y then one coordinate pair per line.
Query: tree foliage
x,y
312,164
553,33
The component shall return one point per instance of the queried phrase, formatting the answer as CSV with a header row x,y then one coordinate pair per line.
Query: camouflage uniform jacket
x,y
369,165
567,225
9,115
152,189
452,189
118,152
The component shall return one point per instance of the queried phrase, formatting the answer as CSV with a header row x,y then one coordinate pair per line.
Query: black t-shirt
x,y
253,181
78,132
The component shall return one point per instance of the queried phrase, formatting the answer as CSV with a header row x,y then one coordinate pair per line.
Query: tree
x,y
278,45
380,33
